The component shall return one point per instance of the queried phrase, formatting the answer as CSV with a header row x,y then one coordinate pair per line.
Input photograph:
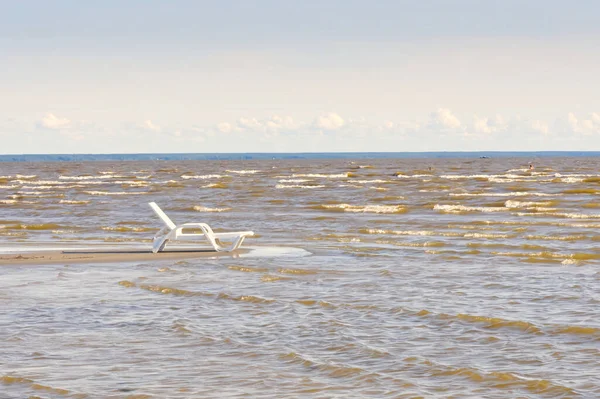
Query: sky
x,y
184,76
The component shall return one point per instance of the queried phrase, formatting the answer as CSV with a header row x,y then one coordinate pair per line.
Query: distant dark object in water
x,y
484,157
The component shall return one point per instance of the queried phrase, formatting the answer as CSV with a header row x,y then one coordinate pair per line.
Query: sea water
x,y
399,278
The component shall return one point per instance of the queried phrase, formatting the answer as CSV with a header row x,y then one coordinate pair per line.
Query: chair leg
x,y
159,244
238,243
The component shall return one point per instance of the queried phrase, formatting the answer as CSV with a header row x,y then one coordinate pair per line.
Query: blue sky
x,y
287,76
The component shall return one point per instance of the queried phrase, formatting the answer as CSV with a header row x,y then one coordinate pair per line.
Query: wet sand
x,y
108,256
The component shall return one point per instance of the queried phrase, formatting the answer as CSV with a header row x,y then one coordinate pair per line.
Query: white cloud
x,y
481,125
585,126
329,121
269,127
282,122
225,127
486,125
148,124
539,126
250,123
445,118
51,121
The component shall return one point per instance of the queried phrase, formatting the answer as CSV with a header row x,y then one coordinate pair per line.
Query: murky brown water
x,y
475,279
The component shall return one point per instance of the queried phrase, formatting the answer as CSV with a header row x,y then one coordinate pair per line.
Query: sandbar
x,y
108,256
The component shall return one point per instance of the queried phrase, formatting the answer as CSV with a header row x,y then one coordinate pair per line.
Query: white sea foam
x,y
73,202
485,235
526,204
402,176
562,214
371,181
325,176
52,187
464,208
569,262
244,172
293,180
89,177
212,185
133,183
207,209
115,193
556,238
503,178
401,232
202,177
506,180
59,183
281,186
572,179
511,194
366,208
31,192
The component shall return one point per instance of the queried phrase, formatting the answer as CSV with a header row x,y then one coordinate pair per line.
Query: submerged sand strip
x,y
105,256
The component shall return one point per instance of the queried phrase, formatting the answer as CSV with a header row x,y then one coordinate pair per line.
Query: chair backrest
x,y
162,215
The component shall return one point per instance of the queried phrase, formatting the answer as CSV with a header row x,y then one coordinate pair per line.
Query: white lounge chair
x,y
171,231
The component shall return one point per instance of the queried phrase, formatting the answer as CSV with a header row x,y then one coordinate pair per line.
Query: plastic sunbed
x,y
172,232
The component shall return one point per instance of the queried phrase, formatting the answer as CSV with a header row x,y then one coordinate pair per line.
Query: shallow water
x,y
453,278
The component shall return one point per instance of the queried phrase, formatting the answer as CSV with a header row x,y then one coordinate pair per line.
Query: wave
x,y
12,380
294,180
502,177
434,233
325,176
243,172
89,177
547,255
207,209
563,215
464,208
528,204
371,181
202,177
511,194
248,269
15,201
115,193
499,380
215,185
73,202
581,191
124,229
41,226
361,208
556,238
281,186
132,183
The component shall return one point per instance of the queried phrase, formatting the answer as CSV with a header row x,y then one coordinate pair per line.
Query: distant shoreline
x,y
283,156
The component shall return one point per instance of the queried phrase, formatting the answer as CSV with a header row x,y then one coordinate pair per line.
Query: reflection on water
x,y
384,278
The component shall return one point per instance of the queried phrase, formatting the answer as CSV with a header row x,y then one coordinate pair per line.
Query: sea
x,y
447,275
